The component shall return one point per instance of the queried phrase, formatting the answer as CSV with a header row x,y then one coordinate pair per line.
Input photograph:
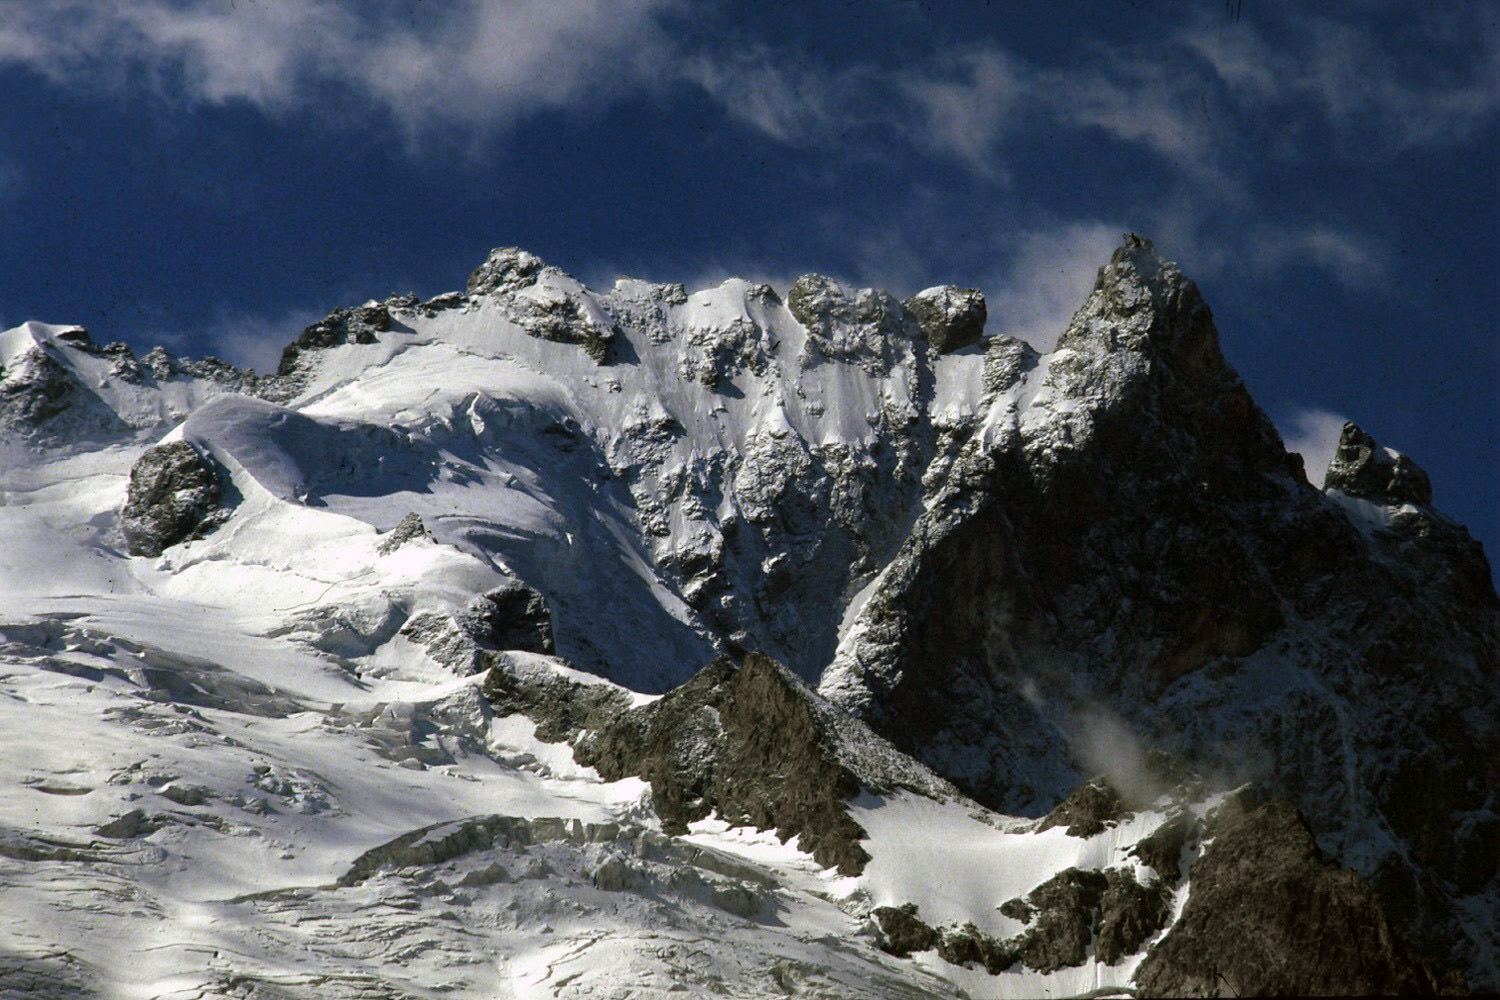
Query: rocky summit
x,y
536,640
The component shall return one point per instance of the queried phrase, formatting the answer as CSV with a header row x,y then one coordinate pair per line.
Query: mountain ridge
x,y
1008,564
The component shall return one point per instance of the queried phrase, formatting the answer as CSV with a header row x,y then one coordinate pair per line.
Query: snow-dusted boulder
x,y
175,493
950,317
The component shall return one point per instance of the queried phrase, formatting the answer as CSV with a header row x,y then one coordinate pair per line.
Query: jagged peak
x,y
1361,468
1142,303
1136,279
506,269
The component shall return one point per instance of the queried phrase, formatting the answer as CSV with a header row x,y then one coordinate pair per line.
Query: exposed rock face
x,y
1087,809
357,325
1079,907
163,366
506,269
1062,927
43,402
1107,799
902,932
1162,850
714,355
749,743
1065,915
1125,539
512,616
553,310
1130,914
768,537
1269,914
174,495
864,327
408,529
1361,468
58,387
950,317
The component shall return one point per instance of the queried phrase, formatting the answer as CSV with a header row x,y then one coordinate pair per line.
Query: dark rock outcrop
x,y
1087,810
1162,848
1064,916
1361,468
1269,914
745,743
409,528
174,495
135,823
1062,925
749,743
562,315
163,366
1130,915
949,317
42,400
356,325
512,616
506,269
966,944
902,931
561,708
1006,360
1108,799
1136,538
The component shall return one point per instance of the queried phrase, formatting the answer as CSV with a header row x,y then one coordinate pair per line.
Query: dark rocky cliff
x,y
1136,555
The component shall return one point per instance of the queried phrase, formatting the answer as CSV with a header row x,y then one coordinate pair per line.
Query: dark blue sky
x,y
214,175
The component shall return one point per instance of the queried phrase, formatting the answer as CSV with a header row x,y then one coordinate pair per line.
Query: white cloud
x,y
797,105
1313,434
1144,102
466,61
484,65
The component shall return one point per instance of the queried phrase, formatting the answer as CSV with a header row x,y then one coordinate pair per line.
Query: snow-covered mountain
x,y
539,641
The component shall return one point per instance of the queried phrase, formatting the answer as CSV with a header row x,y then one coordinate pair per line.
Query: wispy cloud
x,y
487,65
966,107
1347,256
1313,434
793,103
463,62
1357,83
